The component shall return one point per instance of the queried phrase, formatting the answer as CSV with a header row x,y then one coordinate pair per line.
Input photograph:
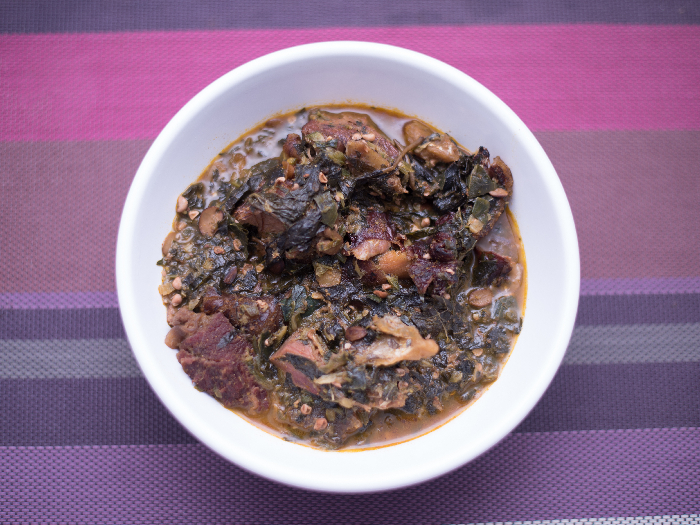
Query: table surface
x,y
612,92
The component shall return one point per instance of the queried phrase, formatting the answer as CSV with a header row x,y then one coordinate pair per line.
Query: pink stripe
x,y
528,476
128,85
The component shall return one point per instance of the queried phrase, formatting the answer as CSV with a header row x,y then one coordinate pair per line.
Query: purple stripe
x,y
105,323
526,477
89,411
79,323
624,395
77,16
638,309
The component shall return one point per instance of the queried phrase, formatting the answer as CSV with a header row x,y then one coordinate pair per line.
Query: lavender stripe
x,y
525,477
124,410
661,285
77,16
45,358
652,343
56,300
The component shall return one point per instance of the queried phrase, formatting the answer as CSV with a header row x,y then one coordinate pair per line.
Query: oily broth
x,y
265,141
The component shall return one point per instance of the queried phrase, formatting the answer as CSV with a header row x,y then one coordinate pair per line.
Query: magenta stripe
x,y
528,476
128,85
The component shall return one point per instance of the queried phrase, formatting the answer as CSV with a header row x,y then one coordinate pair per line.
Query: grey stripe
x,y
676,519
66,358
651,343
75,358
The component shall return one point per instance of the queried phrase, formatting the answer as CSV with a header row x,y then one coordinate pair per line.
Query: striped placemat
x,y
610,88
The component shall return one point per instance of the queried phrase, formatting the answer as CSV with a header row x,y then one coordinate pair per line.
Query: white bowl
x,y
386,76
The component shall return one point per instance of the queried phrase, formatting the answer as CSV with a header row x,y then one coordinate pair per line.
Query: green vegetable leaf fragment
x,y
481,209
299,304
479,182
328,208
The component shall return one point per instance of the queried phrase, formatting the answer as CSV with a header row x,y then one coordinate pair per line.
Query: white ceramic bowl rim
x,y
316,477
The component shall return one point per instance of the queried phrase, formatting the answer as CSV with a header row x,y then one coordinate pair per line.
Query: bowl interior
x,y
386,77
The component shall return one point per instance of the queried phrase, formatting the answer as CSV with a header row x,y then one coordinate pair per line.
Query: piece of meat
x,y
439,149
500,172
342,126
293,147
371,273
441,247
253,315
398,342
491,268
426,272
500,240
373,238
369,248
264,221
215,357
362,157
300,358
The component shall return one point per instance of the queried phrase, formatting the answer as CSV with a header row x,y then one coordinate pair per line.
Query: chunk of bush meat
x,y
293,147
249,314
299,358
215,358
439,148
490,268
342,126
397,342
441,275
373,238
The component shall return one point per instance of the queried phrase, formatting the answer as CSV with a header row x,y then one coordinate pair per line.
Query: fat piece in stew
x,y
345,277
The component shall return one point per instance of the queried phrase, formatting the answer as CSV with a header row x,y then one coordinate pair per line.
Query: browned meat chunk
x,y
300,358
397,342
441,275
343,126
264,221
363,156
293,147
490,268
215,358
251,315
373,238
438,149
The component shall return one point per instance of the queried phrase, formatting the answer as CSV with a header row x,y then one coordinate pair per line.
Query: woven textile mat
x,y
611,90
